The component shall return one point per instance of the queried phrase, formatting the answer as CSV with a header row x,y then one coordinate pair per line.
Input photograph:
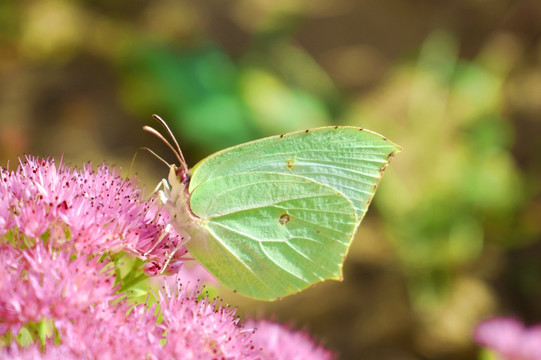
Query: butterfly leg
x,y
164,195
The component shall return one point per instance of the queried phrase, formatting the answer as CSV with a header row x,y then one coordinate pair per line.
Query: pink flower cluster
x,y
508,338
92,211
190,329
61,231
278,342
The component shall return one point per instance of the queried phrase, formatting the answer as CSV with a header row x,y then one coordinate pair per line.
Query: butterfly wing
x,y
278,214
348,159
269,235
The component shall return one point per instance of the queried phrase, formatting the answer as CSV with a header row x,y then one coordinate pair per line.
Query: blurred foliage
x,y
455,181
216,103
454,232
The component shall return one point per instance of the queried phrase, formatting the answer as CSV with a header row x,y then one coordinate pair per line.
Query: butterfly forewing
x,y
347,159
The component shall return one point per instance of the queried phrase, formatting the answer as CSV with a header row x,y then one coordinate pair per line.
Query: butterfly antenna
x,y
132,163
178,151
166,142
162,138
156,155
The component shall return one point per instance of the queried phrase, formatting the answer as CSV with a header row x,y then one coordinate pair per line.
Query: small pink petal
x,y
510,339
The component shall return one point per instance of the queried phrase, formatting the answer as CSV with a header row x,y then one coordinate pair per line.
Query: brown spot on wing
x,y
284,219
290,163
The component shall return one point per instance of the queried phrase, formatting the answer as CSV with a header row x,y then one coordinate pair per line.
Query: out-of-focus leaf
x,y
211,102
198,88
278,108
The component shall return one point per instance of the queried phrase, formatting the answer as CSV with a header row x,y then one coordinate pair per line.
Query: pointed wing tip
x,y
392,154
397,148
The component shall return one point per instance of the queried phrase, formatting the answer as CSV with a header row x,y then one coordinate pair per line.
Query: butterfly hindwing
x,y
269,235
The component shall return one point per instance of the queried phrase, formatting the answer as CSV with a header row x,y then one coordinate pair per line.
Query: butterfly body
x,y
273,216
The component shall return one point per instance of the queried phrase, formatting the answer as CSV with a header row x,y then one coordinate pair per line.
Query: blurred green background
x,y
453,234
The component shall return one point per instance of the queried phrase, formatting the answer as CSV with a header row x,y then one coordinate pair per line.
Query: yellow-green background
x,y
453,234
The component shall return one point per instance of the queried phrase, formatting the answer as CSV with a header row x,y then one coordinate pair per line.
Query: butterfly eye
x,y
184,178
182,175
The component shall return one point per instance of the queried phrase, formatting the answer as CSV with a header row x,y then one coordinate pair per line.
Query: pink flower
x,y
92,211
39,283
190,329
203,329
112,332
34,351
61,230
510,339
278,342
104,332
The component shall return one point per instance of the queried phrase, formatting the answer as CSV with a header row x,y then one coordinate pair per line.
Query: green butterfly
x,y
274,216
